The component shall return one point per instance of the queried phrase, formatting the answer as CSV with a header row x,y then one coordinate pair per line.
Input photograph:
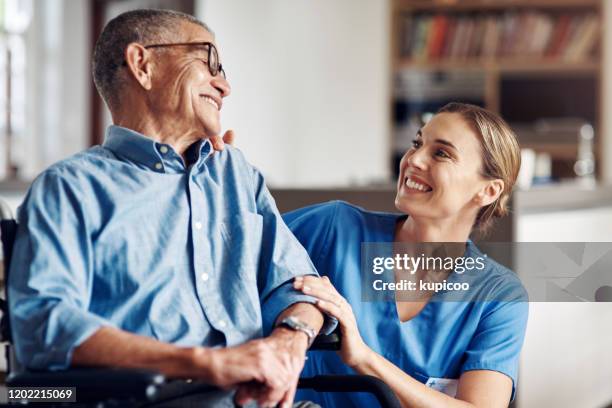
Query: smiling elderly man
x,y
150,251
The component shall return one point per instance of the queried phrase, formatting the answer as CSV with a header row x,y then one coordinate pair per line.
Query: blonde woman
x,y
457,176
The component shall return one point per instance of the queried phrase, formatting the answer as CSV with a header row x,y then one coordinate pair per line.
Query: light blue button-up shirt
x,y
126,235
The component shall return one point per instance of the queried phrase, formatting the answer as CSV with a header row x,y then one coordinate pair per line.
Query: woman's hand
x,y
353,350
218,142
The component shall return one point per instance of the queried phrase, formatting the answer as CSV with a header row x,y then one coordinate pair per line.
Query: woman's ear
x,y
490,192
139,63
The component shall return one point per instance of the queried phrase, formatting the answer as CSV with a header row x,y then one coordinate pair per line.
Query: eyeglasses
x,y
212,60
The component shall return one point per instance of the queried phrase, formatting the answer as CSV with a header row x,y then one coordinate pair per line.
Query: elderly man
x,y
152,252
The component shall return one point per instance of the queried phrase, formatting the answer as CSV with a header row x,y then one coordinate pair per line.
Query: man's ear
x,y
139,63
491,190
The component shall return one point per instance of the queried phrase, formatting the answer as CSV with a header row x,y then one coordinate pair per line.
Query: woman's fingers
x,y
217,143
328,298
229,137
316,282
330,308
318,288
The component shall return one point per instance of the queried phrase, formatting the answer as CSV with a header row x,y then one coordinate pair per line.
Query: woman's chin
x,y
402,205
408,205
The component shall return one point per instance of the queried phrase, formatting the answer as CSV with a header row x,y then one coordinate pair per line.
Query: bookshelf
x,y
554,45
480,5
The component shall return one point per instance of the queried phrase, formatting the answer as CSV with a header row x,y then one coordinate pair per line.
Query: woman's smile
x,y
416,185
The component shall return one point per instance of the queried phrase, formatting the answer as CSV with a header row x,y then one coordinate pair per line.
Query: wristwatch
x,y
293,323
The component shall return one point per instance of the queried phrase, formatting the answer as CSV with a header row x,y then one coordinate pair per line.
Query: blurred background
x,y
328,94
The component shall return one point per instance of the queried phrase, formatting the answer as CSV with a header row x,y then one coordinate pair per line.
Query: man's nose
x,y
221,85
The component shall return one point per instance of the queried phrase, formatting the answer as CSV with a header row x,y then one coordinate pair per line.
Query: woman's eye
x,y
442,153
416,143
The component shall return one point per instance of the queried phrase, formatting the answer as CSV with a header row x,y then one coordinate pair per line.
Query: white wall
x,y
310,78
566,361
58,84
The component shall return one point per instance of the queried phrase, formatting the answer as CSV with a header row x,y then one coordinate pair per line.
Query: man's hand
x,y
219,143
290,348
264,364
254,362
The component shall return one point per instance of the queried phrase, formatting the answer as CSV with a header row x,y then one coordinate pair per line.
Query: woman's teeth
x,y
417,186
211,101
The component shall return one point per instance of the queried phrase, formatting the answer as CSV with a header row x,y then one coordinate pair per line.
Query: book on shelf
x,y
533,34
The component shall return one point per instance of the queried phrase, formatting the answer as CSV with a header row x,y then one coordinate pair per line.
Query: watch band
x,y
293,323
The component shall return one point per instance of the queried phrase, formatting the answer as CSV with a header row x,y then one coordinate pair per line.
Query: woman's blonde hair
x,y
501,155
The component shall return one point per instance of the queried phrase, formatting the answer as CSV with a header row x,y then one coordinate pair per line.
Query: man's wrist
x,y
294,323
200,361
297,338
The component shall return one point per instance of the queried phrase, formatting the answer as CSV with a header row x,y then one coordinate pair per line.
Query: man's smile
x,y
214,102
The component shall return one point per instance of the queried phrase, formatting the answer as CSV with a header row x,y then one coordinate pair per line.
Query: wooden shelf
x,y
560,151
503,65
494,70
482,5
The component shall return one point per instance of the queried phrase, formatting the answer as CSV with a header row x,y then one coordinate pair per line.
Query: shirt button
x,y
198,225
222,324
163,149
158,166
204,277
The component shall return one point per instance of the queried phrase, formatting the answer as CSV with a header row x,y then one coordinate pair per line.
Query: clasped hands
x,y
264,370
274,363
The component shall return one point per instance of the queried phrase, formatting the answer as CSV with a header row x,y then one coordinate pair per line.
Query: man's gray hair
x,y
146,26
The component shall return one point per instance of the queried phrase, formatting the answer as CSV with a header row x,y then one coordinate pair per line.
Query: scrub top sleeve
x,y
497,342
311,225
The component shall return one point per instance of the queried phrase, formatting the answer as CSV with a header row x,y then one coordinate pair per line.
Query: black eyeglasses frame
x,y
214,69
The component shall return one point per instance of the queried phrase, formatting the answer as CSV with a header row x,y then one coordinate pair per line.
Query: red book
x,y
451,28
575,27
439,27
560,34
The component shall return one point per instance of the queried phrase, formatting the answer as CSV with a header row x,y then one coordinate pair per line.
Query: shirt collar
x,y
159,157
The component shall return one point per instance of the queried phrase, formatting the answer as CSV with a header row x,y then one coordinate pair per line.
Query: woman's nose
x,y
416,158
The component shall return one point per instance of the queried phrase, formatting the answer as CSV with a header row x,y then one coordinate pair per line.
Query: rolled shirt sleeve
x,y
282,259
50,278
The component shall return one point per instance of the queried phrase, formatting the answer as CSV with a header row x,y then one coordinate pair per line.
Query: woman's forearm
x,y
409,391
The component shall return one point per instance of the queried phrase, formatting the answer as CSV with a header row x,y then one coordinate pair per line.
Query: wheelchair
x,y
119,387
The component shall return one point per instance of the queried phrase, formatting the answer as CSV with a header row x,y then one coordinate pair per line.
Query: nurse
x,y
457,176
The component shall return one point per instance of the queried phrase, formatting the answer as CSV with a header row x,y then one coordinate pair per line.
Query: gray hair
x,y
146,26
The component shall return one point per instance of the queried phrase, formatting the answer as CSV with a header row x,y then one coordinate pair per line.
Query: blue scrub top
x,y
440,343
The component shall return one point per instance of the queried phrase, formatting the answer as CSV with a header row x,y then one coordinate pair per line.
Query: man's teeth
x,y
211,101
416,186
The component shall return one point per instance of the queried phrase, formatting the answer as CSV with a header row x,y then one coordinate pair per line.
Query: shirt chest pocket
x,y
242,244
